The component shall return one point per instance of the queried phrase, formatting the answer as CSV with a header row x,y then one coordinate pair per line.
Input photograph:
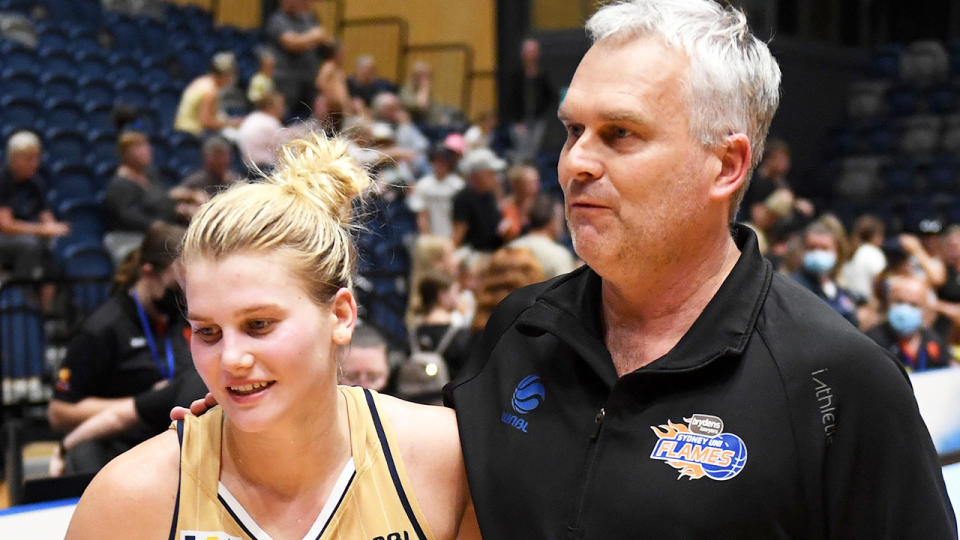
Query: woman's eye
x,y
206,333
259,325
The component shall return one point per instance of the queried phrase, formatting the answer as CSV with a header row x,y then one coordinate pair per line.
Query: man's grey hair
x,y
214,145
733,85
22,141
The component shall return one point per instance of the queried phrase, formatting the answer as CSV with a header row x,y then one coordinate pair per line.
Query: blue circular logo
x,y
528,395
736,453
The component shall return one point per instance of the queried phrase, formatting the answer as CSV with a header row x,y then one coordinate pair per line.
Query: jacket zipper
x,y
573,530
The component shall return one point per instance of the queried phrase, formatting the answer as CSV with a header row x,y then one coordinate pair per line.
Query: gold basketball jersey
x,y
370,501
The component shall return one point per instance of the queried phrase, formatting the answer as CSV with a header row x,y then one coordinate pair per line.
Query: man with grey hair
x,y
675,386
215,175
26,221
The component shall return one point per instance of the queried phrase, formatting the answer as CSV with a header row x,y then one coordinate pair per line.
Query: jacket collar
x,y
570,309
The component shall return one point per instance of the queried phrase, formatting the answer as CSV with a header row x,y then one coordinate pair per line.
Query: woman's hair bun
x,y
320,169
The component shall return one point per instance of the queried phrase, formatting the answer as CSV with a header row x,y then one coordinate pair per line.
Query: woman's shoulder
x,y
135,492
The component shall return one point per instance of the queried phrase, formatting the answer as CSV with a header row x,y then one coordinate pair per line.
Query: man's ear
x,y
734,155
344,310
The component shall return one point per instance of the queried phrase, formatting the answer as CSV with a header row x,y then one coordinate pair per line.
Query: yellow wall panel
x,y
205,4
449,74
240,13
483,95
380,41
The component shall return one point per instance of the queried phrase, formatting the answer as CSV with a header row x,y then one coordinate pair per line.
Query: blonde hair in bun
x,y
302,208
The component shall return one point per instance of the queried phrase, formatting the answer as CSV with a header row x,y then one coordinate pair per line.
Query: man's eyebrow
x,y
621,115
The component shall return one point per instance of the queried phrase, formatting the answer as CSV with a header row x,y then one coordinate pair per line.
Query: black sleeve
x,y
153,407
882,476
123,207
461,207
275,28
85,367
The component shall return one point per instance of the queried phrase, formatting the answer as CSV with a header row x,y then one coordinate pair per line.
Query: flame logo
x,y
693,471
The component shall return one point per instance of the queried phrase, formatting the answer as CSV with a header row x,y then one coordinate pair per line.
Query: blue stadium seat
x,y
123,69
18,83
16,56
194,60
58,86
885,63
126,34
86,259
52,37
58,61
165,101
155,76
132,93
19,111
942,174
98,115
85,45
22,336
902,100
943,99
66,145
63,114
91,65
95,90
84,216
70,187
103,146
899,178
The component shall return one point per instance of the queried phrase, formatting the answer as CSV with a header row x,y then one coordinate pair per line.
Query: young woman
x,y
288,454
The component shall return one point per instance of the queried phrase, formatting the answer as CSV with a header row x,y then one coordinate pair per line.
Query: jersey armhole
x,y
176,504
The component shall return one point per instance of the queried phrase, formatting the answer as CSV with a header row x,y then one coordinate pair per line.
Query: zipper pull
x,y
598,419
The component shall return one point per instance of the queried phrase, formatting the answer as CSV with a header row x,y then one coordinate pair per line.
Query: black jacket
x,y
797,425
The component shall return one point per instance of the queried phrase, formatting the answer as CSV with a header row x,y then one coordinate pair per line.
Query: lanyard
x,y
148,333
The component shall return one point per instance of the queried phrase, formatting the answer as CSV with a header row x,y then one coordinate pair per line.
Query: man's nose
x,y
581,160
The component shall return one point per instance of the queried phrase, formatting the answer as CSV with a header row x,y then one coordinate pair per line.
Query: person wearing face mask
x,y
906,332
819,268
131,344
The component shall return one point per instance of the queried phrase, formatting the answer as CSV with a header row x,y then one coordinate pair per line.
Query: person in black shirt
x,y
904,333
477,220
298,41
133,343
26,221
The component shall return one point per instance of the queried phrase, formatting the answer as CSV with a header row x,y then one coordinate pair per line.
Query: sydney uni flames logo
x,y
700,448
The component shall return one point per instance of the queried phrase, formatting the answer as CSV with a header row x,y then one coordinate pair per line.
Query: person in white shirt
x,y
542,239
432,196
259,135
868,260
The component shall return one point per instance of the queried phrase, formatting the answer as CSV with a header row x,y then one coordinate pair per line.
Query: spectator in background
x,y
260,133
948,295
416,94
480,134
545,226
26,221
262,83
524,182
477,221
532,101
509,269
432,195
387,108
439,327
922,262
431,254
868,261
135,199
332,85
822,249
199,109
909,302
129,345
771,174
215,175
299,42
365,84
366,363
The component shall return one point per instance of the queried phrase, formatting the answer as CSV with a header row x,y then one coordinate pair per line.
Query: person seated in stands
x,y
135,199
215,175
26,221
545,222
387,108
332,84
416,94
922,262
199,109
524,182
261,83
366,363
480,134
132,343
868,261
365,84
439,326
299,43
477,220
909,302
821,254
432,195
948,295
508,269
771,175
261,132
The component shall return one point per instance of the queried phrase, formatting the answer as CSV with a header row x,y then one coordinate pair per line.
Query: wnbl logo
x,y
528,395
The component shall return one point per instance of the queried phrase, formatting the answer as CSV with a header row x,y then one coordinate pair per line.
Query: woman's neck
x,y
299,456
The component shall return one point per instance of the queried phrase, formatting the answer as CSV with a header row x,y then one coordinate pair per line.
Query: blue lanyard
x,y
148,333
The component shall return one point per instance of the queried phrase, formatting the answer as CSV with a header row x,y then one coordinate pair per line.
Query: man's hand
x,y
197,408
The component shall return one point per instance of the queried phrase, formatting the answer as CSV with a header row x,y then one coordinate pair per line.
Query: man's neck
x,y
647,313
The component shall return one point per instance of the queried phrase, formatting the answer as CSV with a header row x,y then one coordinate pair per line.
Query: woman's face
x,y
264,349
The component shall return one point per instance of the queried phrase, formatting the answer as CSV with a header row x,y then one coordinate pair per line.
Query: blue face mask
x,y
819,262
905,318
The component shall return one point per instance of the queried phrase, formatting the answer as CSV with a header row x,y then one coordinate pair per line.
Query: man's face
x,y
635,179
484,181
820,241
366,367
910,291
24,164
140,155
